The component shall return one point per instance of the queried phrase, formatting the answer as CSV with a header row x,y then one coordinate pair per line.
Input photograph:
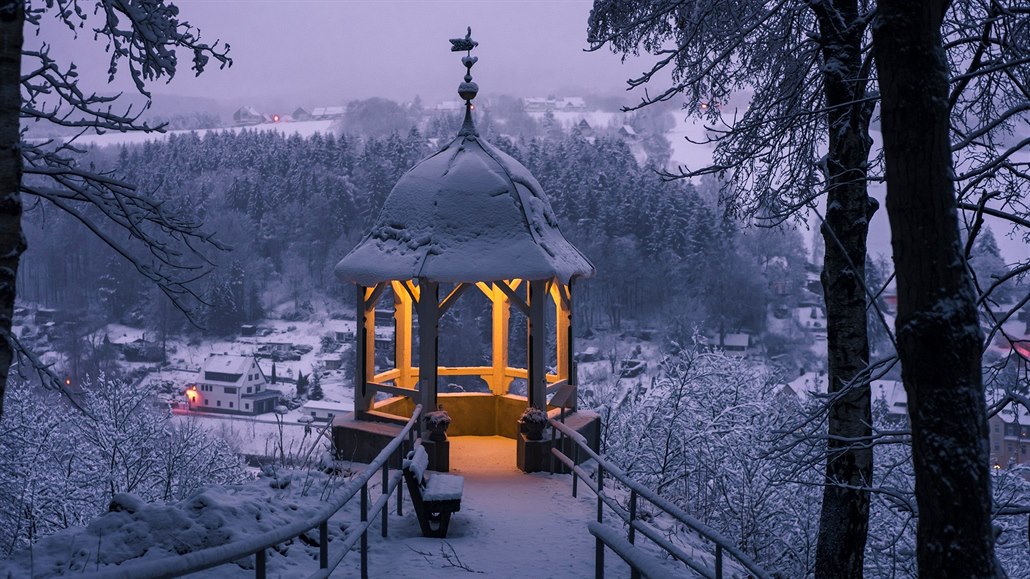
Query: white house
x,y
324,410
233,384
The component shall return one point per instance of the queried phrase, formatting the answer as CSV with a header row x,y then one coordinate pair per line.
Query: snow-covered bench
x,y
435,495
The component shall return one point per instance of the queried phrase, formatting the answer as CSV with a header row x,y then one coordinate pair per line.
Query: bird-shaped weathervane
x,y
468,89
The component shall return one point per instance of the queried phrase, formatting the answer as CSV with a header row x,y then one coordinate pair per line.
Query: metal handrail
x,y
259,544
639,491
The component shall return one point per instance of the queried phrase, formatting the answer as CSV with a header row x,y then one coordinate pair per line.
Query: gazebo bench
x,y
434,495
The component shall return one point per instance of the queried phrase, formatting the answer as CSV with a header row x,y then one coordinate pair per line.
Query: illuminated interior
x,y
405,379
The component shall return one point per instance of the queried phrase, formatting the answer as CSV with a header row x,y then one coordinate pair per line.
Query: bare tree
x,y
143,36
808,65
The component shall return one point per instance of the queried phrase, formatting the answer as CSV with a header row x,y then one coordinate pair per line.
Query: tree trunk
x,y
938,334
844,517
12,241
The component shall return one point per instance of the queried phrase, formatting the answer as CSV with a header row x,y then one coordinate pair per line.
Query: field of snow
x,y
300,128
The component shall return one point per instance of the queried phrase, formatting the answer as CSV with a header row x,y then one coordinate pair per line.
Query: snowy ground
x,y
300,128
510,524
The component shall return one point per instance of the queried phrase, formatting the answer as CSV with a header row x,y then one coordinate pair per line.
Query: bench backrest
x,y
417,462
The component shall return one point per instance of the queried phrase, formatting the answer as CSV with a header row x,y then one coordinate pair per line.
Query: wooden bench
x,y
435,495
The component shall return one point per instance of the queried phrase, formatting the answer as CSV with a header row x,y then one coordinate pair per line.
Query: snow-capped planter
x,y
437,423
532,423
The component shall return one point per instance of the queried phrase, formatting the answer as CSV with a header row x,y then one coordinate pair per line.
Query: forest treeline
x,y
291,207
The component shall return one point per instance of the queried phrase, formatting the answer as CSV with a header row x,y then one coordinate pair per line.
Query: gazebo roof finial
x,y
468,89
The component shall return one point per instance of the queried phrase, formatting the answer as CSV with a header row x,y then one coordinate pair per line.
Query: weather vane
x,y
468,89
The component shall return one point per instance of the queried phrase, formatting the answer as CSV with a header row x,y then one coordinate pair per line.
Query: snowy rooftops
x,y
339,407
465,214
227,364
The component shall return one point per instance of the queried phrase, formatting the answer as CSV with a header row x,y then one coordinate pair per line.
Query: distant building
x,y
736,343
570,104
323,410
1010,437
247,116
627,132
537,105
326,113
332,361
565,105
449,106
301,114
231,384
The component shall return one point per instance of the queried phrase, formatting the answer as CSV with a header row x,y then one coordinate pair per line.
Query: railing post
x,y
632,515
386,491
400,484
575,461
634,572
718,561
598,544
364,533
259,564
323,544
553,458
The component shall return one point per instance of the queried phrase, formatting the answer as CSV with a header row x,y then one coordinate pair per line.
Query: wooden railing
x,y
258,545
641,563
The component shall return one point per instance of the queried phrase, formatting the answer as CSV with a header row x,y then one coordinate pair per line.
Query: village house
x,y
326,113
324,410
571,104
1010,437
247,116
231,384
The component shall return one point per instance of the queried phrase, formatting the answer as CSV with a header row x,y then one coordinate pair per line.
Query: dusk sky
x,y
327,52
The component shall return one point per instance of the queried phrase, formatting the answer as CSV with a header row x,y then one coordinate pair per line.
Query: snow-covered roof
x,y
341,407
737,340
227,364
465,214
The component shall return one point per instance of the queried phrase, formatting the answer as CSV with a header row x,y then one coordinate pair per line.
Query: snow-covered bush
x,y
702,436
60,467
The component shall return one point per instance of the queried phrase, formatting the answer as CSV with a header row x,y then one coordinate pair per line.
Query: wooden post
x,y
570,347
499,359
563,321
364,353
537,345
428,337
402,308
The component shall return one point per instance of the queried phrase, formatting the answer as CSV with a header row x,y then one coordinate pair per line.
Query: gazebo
x,y
468,218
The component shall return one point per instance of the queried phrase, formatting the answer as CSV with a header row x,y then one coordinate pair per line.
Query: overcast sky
x,y
329,51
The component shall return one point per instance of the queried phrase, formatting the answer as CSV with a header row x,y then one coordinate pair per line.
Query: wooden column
x,y
499,359
571,349
537,346
364,350
563,321
428,337
402,311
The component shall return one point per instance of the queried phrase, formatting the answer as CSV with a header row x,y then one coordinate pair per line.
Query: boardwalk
x,y
510,525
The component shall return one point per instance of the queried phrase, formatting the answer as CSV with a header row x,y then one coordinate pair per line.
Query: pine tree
x,y
316,387
302,384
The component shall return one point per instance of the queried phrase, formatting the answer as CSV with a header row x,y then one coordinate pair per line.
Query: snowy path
x,y
510,525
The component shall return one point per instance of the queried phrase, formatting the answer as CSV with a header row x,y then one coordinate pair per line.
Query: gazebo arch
x,y
467,218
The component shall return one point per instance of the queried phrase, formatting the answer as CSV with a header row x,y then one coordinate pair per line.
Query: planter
x,y
437,423
532,423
